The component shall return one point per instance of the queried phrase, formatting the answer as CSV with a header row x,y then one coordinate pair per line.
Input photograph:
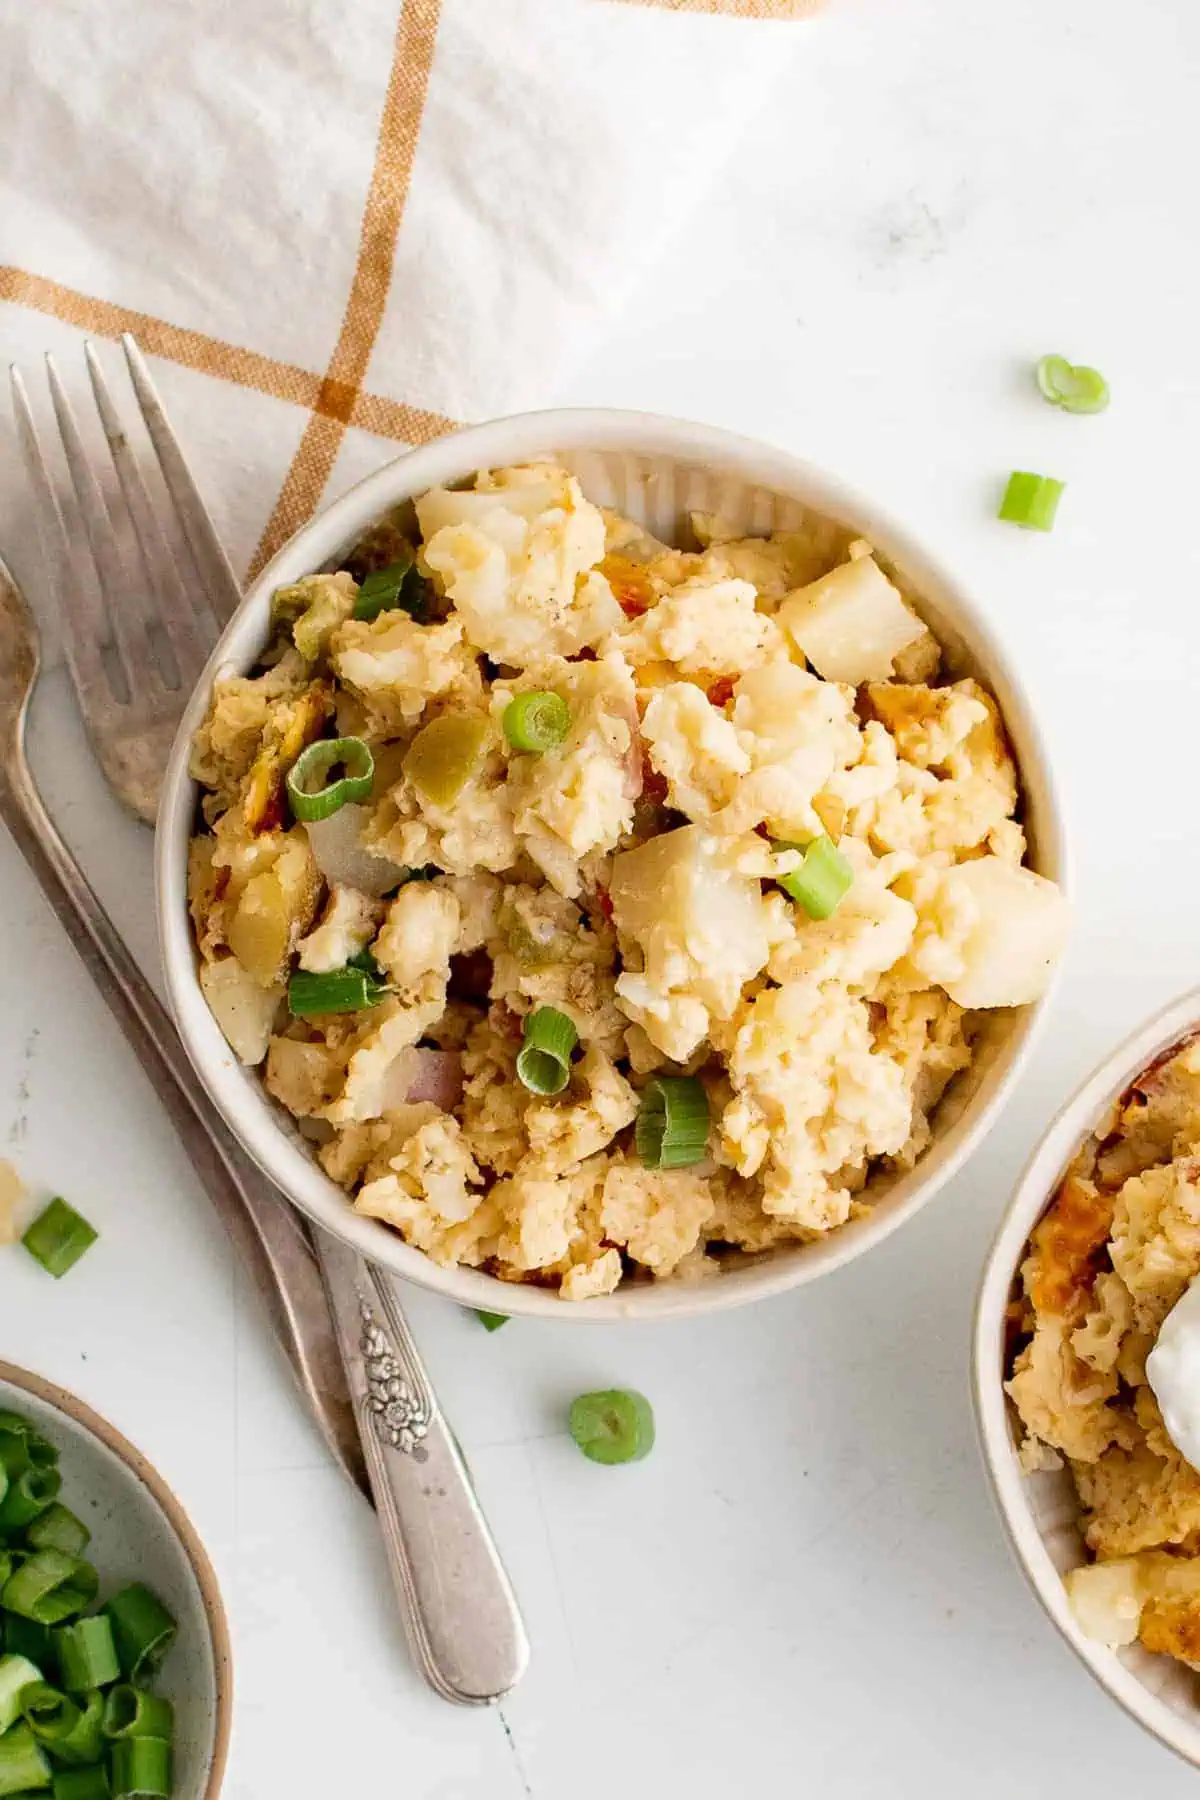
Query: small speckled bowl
x,y
1041,1512
141,1533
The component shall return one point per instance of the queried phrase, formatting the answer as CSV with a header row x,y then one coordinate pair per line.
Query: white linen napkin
x,y
355,222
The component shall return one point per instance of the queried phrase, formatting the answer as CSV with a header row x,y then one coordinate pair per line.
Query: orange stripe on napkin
x,y
399,128
194,349
735,9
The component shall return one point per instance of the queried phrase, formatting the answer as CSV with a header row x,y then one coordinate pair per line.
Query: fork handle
x,y
270,1238
341,1327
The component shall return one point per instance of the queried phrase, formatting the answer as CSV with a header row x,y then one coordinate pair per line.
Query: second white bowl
x,y
1041,1513
656,471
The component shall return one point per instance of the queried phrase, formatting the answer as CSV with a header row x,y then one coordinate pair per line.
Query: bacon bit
x,y
1070,1247
604,903
631,585
721,691
587,654
763,832
654,786
470,976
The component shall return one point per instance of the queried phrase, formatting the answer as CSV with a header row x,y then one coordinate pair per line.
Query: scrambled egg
x,y
721,708
1114,1252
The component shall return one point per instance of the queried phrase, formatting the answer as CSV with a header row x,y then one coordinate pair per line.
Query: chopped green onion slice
x,y
21,1445
58,1238
537,721
345,990
17,1676
310,798
8,1562
614,1426
58,1529
27,1496
82,1784
132,1712
87,1655
1031,500
823,879
544,1065
23,1765
492,1321
384,590
25,1637
141,1769
444,755
672,1123
84,1743
143,1628
1074,387
49,1714
50,1587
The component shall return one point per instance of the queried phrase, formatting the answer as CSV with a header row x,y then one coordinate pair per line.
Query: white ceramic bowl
x,y
141,1533
657,471
1041,1512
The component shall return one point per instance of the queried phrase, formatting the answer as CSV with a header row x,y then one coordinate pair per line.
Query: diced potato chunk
x,y
1106,1601
673,880
274,910
1017,937
242,1007
852,623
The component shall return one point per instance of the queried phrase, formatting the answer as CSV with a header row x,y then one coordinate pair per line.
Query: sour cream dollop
x,y
1173,1371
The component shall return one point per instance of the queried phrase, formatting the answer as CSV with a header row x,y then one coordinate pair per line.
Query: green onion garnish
x,y
544,1065
17,1676
1031,500
84,1742
23,1765
58,1238
141,1769
310,798
132,1712
143,1628
82,1784
25,1637
537,721
87,1655
58,1529
1072,386
27,1496
49,1714
823,879
50,1587
347,990
385,590
492,1321
615,1426
672,1124
21,1445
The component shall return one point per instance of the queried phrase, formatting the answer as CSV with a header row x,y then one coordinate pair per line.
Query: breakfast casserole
x,y
1105,1304
599,907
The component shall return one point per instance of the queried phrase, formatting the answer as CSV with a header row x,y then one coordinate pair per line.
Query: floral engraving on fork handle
x,y
400,1414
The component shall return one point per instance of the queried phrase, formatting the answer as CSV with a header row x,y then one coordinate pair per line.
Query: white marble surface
x,y
805,1585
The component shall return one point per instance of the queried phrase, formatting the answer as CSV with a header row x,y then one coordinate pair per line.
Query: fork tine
x,y
82,637
219,584
175,614
118,577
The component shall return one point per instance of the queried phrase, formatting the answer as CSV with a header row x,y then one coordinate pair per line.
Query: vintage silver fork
x,y
140,585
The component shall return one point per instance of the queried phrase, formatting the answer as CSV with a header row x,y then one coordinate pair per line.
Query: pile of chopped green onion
x,y
78,1717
